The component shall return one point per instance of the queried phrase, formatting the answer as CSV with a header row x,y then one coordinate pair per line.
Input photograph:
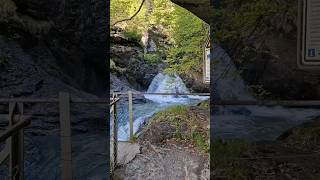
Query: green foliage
x,y
174,114
153,58
200,141
133,35
185,30
189,33
115,69
224,156
236,21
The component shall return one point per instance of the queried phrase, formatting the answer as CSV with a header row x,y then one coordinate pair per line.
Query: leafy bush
x,y
133,36
153,58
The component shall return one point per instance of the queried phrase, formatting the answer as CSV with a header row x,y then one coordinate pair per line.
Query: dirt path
x,y
170,162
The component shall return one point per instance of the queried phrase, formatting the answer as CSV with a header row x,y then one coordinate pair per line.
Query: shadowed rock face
x,y
74,32
200,8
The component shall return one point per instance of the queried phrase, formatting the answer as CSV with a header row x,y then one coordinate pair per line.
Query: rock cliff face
x,y
69,36
200,8
128,64
268,57
52,46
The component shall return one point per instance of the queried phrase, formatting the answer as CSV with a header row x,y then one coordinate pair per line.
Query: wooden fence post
x,y
65,135
130,114
15,143
115,135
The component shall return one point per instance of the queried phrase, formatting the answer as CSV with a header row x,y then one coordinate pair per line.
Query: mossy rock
x,y
180,122
305,137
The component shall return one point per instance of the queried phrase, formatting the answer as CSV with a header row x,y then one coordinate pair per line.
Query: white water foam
x,y
163,83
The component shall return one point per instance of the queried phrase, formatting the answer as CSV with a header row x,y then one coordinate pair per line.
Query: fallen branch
x,y
134,15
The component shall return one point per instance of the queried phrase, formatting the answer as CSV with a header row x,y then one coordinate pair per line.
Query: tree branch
x,y
134,15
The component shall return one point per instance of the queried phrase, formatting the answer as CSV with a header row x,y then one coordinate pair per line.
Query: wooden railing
x,y
114,136
13,135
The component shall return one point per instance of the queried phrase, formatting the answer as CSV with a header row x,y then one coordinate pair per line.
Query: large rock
x,y
134,69
200,8
67,34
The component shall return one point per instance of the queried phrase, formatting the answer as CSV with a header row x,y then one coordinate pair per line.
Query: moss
x,y
187,127
115,69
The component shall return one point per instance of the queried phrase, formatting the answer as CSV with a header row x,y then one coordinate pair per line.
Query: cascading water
x,y
247,122
162,83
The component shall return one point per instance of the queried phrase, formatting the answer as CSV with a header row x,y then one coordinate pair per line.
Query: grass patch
x,y
200,141
134,36
186,126
153,58
172,114
223,158
304,138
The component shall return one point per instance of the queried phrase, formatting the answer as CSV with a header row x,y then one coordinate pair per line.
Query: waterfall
x,y
228,83
163,83
247,122
167,84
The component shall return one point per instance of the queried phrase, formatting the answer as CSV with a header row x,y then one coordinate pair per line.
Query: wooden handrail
x,y
218,102
145,93
54,100
29,100
114,101
266,103
13,129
